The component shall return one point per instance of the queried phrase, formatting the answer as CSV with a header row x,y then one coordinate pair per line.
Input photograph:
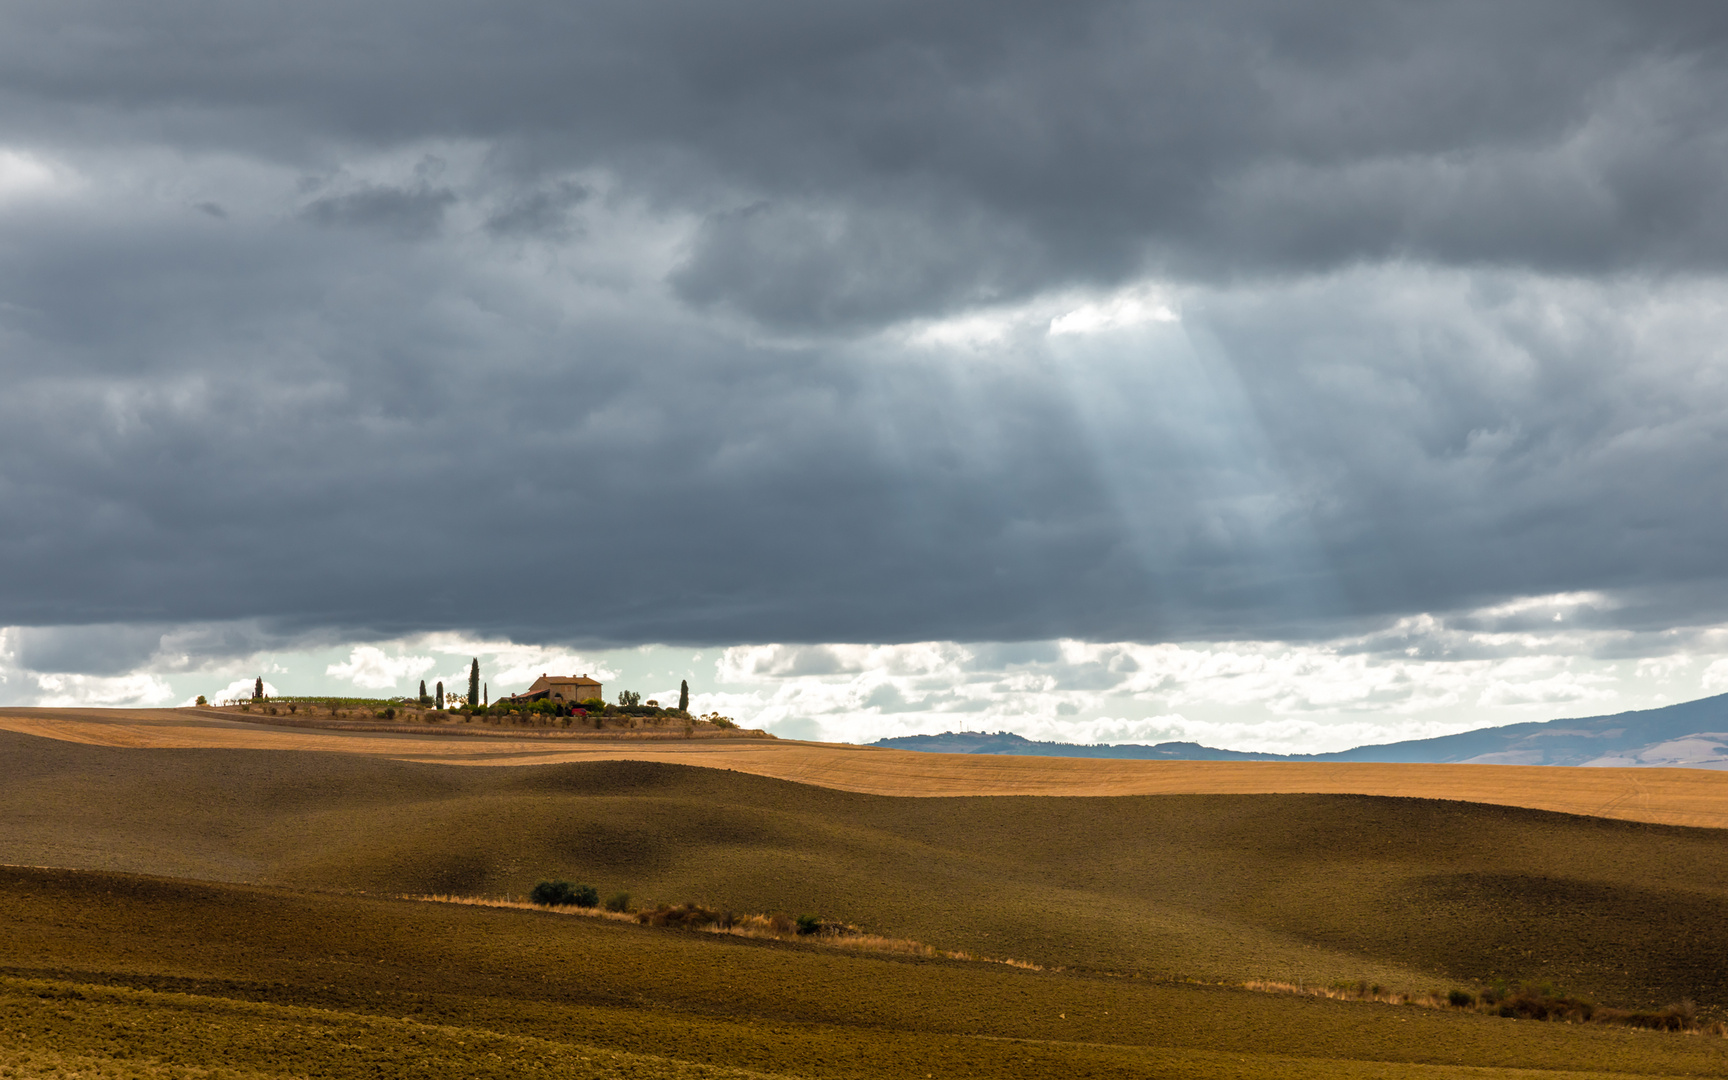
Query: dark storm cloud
x,y
590,322
545,212
406,214
1097,137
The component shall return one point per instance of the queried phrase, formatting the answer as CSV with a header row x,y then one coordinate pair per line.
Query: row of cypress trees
x,y
477,694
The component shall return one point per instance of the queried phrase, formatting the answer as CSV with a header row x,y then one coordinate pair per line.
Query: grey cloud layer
x,y
992,146
590,322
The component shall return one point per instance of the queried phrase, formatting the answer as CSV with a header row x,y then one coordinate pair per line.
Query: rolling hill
x,y
188,912
1692,734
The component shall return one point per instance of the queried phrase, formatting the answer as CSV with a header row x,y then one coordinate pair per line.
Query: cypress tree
x,y
474,683
440,693
423,698
258,689
683,695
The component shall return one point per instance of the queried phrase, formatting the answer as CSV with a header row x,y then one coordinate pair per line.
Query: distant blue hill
x,y
1693,734
1006,742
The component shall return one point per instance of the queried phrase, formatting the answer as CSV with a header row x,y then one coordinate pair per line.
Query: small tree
x,y
683,695
474,683
440,698
258,689
629,698
552,893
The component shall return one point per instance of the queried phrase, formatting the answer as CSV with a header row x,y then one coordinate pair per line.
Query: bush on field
x,y
619,901
809,924
564,894
1461,999
1537,1005
1682,1016
687,916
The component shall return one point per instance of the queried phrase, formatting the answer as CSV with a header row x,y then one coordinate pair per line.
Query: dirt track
x,y
1665,796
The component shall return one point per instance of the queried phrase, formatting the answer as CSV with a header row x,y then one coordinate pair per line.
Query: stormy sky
x,y
1038,337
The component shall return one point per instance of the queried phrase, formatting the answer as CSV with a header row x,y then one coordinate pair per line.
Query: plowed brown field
x,y
1693,797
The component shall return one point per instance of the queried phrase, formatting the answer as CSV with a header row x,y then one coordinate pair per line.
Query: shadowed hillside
x,y
1310,888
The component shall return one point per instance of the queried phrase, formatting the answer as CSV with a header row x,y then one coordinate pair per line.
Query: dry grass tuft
x,y
775,926
1344,991
1524,1003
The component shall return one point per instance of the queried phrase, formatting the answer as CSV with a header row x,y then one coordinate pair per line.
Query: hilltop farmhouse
x,y
567,689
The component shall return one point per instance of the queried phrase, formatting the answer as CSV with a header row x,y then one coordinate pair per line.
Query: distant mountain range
x,y
1693,734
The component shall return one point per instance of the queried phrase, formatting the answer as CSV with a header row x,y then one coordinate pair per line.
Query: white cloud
x,y
1562,688
137,690
23,174
374,669
1557,603
241,690
1129,307
1716,677
1417,677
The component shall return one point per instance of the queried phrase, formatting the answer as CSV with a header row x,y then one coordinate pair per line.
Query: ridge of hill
x,y
1007,742
1691,734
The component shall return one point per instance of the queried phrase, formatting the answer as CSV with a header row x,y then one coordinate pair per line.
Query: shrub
x,y
201,700
1461,999
1678,1017
390,713
809,924
293,707
592,704
618,901
553,893
687,916
585,896
1537,1005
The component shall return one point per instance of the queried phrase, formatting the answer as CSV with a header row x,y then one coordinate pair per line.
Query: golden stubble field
x,y
1693,797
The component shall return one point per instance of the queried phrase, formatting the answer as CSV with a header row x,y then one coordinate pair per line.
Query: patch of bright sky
x,y
1054,315
24,174
1417,677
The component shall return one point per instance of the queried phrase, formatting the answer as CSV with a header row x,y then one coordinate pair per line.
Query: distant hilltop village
x,y
574,703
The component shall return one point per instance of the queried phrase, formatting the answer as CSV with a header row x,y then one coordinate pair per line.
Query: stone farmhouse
x,y
565,689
